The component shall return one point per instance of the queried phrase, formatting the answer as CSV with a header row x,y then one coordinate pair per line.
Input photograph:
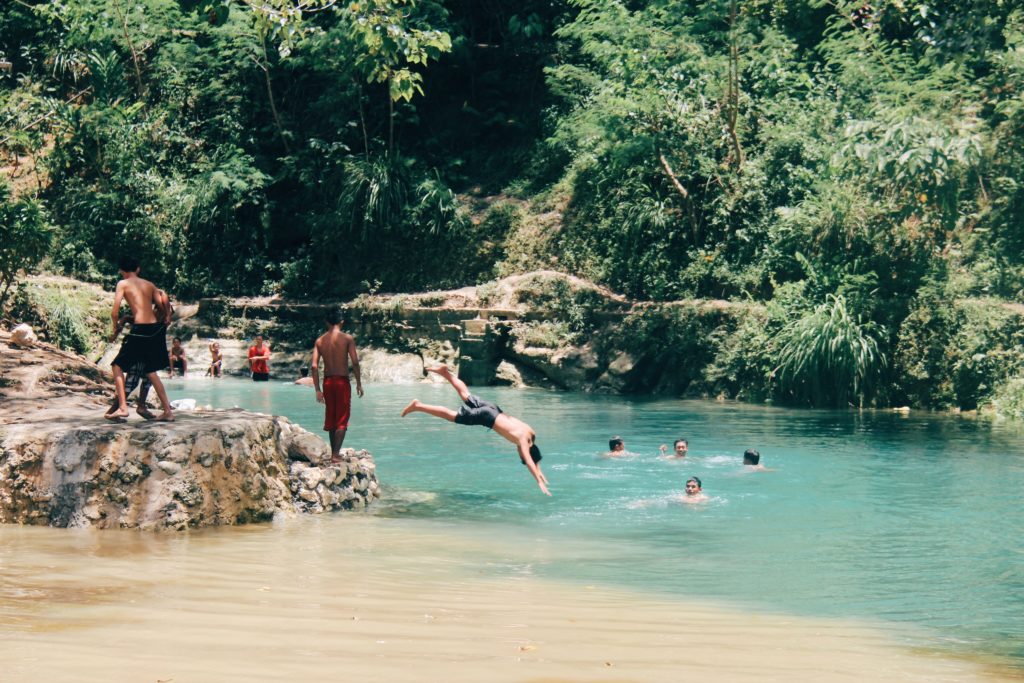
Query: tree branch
x,y
672,176
131,47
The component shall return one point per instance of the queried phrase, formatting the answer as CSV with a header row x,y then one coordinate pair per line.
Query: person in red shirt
x,y
259,354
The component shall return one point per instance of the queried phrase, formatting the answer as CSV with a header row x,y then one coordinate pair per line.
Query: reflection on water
x,y
911,523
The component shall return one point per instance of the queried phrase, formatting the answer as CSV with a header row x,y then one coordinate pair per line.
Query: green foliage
x,y
760,151
392,42
673,344
1008,398
829,357
67,326
72,319
545,334
25,236
955,353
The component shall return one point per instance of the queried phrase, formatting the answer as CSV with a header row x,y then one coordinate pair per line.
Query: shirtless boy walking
x,y
477,411
337,349
146,344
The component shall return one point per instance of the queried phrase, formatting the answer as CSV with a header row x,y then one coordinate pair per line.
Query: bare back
x,y
336,347
141,296
513,429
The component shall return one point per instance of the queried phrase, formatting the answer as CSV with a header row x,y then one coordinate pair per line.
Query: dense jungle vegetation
x,y
856,167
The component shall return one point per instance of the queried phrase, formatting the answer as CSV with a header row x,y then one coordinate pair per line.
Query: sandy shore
x,y
368,598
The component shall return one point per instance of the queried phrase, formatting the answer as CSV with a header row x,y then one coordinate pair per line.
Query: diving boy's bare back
x,y
486,414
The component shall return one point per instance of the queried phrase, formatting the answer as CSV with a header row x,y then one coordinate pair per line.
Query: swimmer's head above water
x,y
693,486
751,457
616,444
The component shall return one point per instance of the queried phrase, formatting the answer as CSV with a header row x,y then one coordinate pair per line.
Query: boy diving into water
x,y
477,411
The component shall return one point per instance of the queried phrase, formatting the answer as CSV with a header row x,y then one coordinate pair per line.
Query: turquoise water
x,y
914,521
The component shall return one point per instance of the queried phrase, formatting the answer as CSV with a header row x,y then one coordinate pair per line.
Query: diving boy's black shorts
x,y
477,411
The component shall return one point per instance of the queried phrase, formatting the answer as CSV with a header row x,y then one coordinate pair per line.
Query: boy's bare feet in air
x,y
411,407
440,370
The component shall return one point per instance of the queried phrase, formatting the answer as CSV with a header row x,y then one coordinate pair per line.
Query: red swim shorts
x,y
338,397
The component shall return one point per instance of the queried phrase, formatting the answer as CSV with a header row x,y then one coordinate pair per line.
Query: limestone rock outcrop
x,y
205,469
62,464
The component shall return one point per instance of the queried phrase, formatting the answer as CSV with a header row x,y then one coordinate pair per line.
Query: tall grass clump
x,y
66,326
828,357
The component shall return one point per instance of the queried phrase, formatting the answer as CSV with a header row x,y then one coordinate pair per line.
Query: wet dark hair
x,y
614,442
128,263
534,455
750,456
695,480
679,441
304,371
334,315
177,339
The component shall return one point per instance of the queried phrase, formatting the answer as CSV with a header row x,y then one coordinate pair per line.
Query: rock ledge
x,y
205,469
62,464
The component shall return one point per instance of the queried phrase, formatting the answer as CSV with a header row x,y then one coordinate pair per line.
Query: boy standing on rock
x,y
336,348
145,346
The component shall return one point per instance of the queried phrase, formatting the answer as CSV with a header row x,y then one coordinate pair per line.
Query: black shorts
x,y
178,364
477,411
261,377
145,346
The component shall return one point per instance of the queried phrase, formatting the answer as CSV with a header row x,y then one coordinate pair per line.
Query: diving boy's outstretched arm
x,y
524,453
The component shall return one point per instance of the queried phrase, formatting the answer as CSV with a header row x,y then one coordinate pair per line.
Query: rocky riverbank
x,y
545,329
62,464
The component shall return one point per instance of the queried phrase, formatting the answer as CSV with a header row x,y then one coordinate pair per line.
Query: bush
x,y
60,316
954,353
1008,398
830,358
25,238
67,327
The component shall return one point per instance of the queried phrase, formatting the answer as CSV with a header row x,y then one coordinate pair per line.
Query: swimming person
x,y
694,491
304,379
146,344
752,461
679,449
477,411
337,349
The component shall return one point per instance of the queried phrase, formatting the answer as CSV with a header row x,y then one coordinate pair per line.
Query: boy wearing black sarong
x,y
145,346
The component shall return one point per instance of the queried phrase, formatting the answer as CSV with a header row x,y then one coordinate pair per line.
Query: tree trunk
x,y
131,48
733,94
